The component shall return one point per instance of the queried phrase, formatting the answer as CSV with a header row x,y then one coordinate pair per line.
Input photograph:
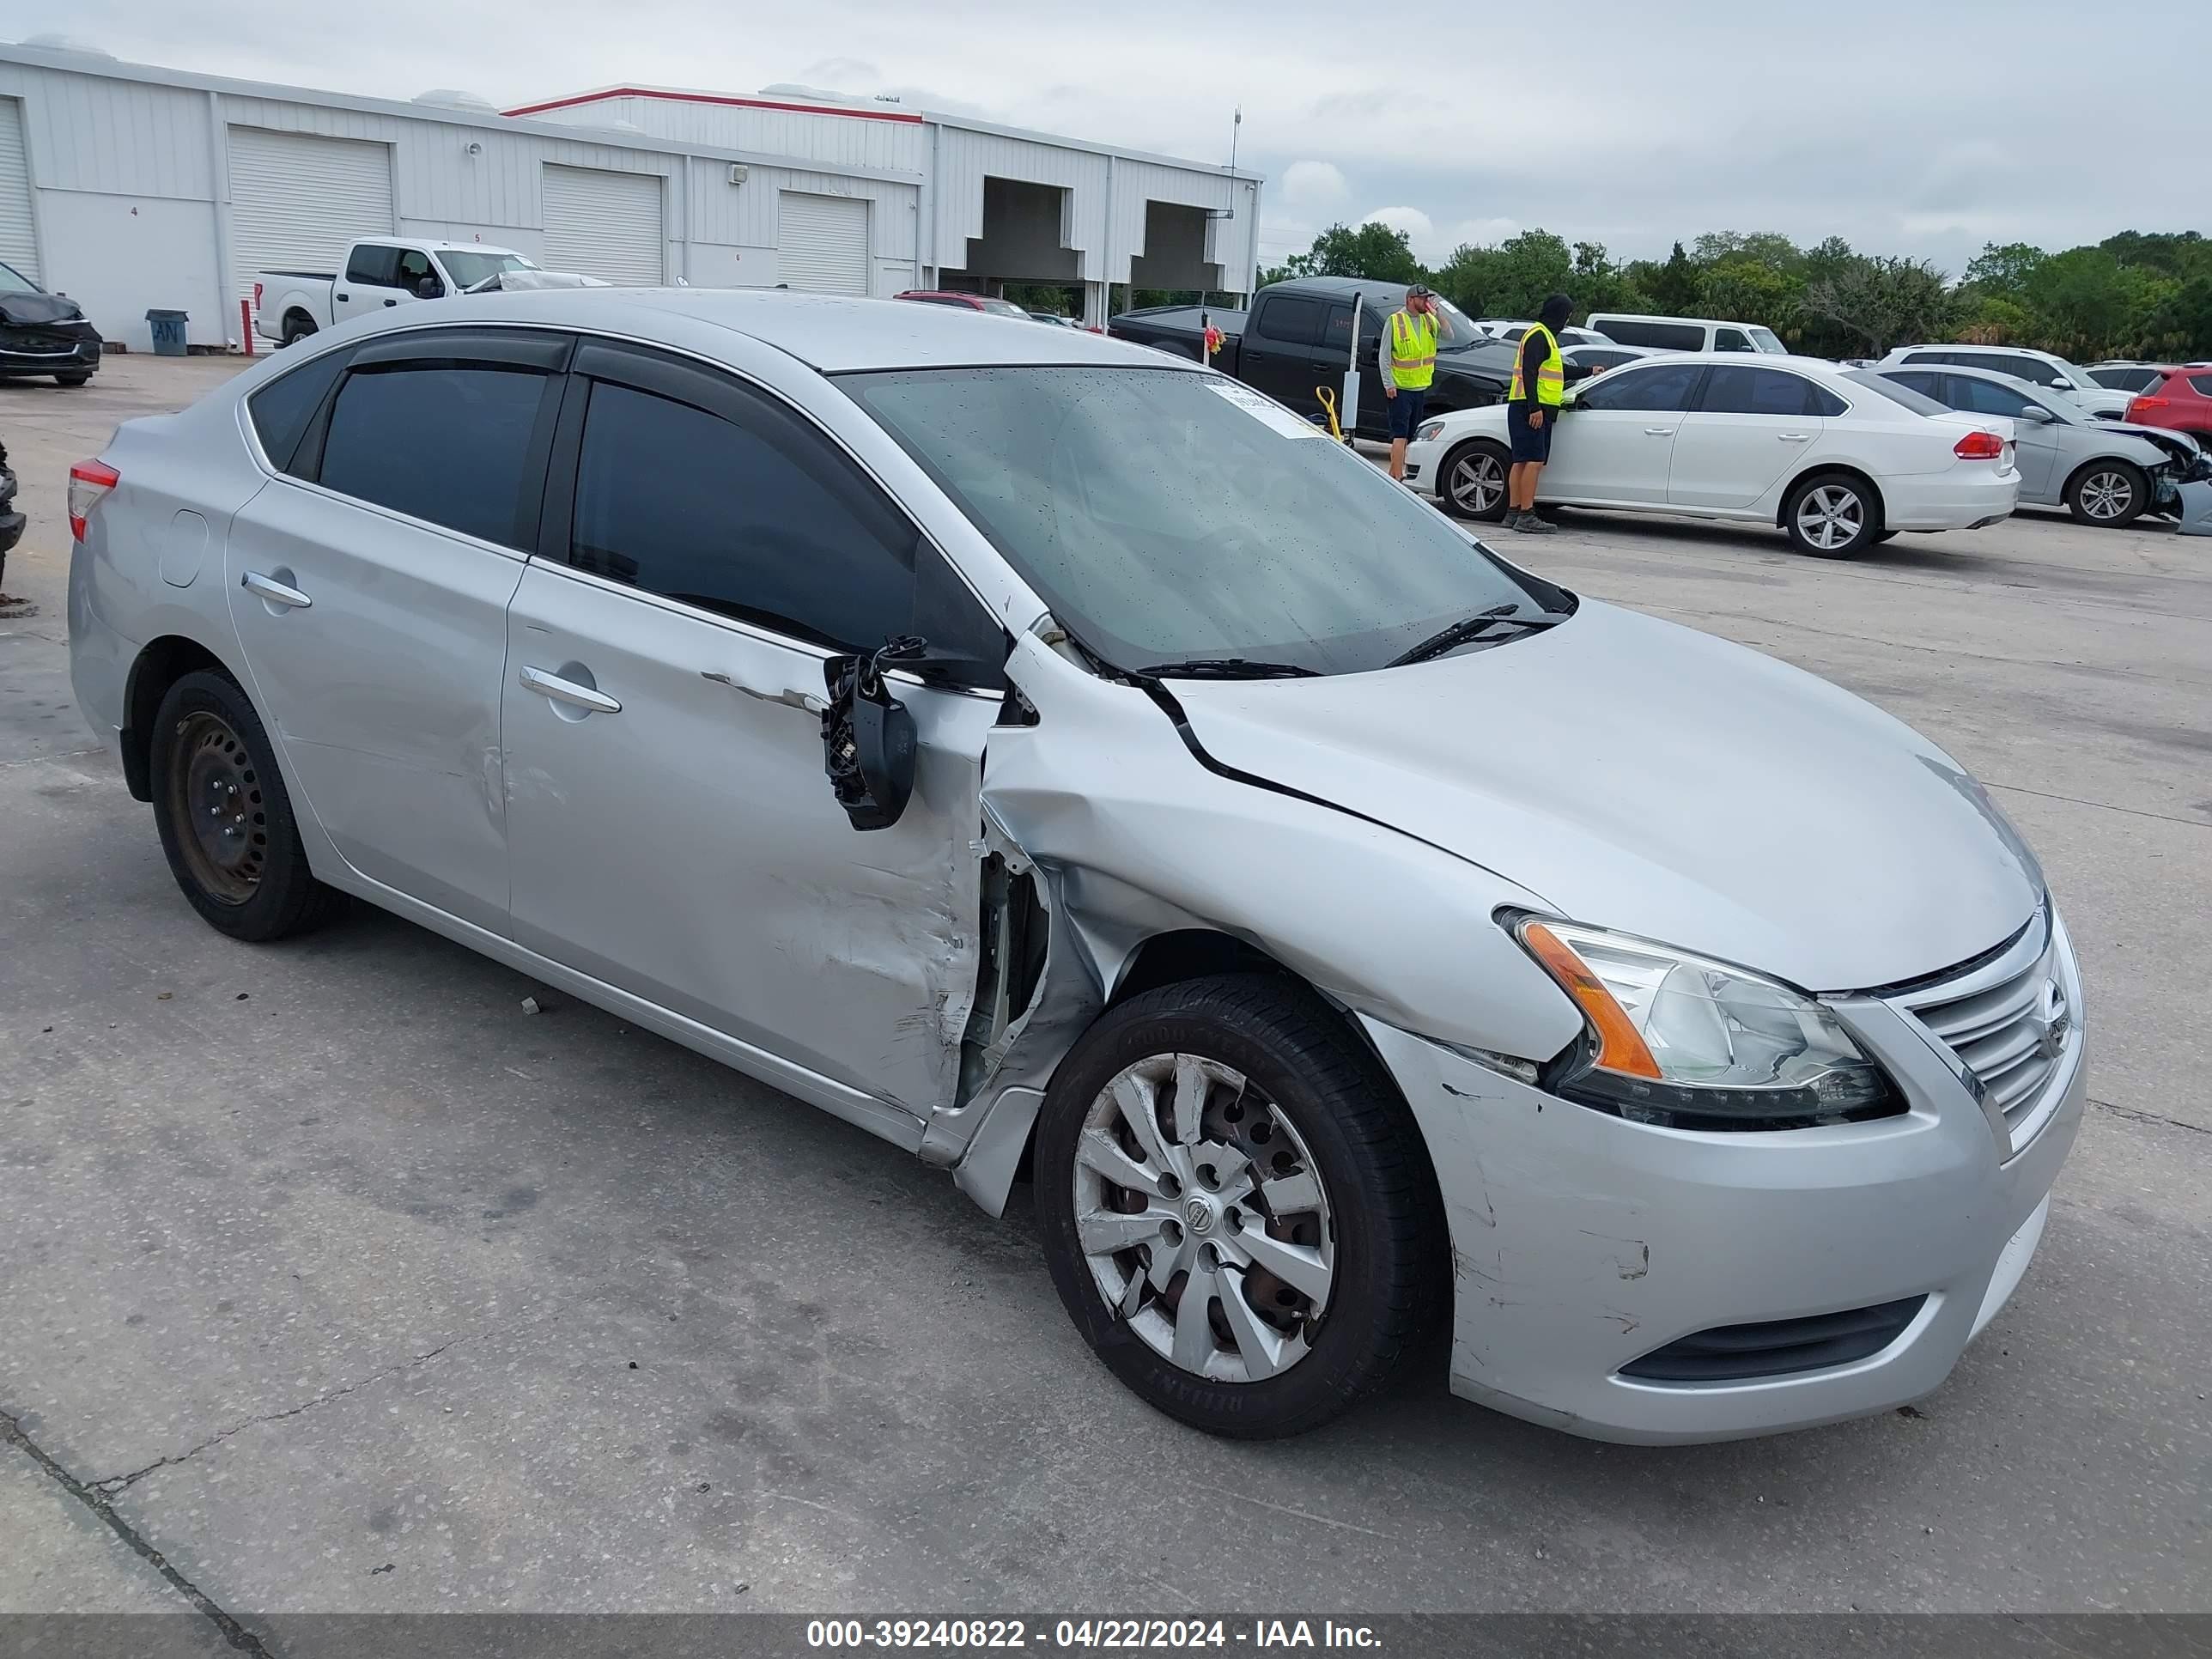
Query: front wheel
x,y
1470,483
1832,515
71,379
1236,1207
2110,495
225,820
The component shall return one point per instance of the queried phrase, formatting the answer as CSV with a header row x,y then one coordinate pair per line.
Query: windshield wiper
x,y
1227,668
1469,628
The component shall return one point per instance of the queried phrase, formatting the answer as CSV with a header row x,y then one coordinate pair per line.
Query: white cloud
x,y
1314,185
1420,230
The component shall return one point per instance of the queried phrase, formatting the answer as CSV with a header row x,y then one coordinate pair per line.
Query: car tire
x,y
1832,515
298,325
71,379
2110,495
1881,536
225,820
1488,464
1347,1207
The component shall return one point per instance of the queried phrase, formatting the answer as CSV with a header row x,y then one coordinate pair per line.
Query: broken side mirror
x,y
868,736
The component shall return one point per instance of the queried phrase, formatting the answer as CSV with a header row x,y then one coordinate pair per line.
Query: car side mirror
x,y
2036,414
868,747
429,289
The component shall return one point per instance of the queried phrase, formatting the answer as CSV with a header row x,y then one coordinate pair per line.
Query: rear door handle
x,y
1658,431
568,691
1794,437
790,696
268,589
341,296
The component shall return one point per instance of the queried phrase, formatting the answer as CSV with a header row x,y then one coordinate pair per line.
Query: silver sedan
x,y
1054,758
2104,472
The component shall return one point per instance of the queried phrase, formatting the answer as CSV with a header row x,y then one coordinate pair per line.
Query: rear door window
x,y
2200,385
1981,396
449,429
1734,389
282,410
1668,386
373,266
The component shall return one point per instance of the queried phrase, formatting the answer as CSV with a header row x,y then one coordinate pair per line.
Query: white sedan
x,y
1838,458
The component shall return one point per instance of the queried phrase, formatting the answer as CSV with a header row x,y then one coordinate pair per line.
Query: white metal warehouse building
x,y
130,188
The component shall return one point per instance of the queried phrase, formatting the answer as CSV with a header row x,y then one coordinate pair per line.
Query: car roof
x,y
1739,359
1968,345
830,332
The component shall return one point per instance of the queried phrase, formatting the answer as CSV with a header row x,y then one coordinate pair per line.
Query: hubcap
x,y
1204,1220
1830,517
1477,481
2106,496
215,796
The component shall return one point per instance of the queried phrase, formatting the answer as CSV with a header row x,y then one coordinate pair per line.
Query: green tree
x,y
1766,247
2083,302
1677,287
1742,289
2003,270
1884,302
1373,251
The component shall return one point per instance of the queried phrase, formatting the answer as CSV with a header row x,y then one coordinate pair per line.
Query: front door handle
x,y
568,691
341,296
1794,437
391,302
272,591
1658,431
790,696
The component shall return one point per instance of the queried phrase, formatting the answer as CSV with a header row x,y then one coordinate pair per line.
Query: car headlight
x,y
1430,432
1680,1039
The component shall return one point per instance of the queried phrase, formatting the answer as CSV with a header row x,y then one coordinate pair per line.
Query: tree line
x,y
2142,294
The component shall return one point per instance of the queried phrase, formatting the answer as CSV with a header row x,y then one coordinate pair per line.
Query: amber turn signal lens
x,y
1620,1047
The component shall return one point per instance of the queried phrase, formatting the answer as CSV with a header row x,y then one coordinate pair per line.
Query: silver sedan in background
x,y
2105,473
1050,757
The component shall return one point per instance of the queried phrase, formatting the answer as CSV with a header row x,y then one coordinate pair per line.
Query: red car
x,y
2183,401
933,296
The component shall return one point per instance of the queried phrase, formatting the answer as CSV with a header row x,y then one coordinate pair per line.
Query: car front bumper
x,y
1583,1242
1947,500
33,352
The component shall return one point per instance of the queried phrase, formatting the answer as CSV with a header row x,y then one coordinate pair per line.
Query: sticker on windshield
x,y
1265,408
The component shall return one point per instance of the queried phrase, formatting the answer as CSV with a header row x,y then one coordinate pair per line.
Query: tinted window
x,y
414,266
1926,382
2202,385
1983,397
763,521
1667,336
2031,370
1731,339
1930,357
376,266
1290,319
444,443
1336,330
1666,387
281,410
2124,380
1919,401
1733,390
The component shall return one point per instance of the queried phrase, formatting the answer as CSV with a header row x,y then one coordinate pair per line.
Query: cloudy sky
x,y
1908,126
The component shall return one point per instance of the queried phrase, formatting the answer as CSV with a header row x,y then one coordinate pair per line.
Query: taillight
x,y
89,482
2147,403
256,296
1979,446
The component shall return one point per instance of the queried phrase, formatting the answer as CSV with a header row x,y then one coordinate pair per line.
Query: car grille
x,y
2010,1022
44,339
1778,1348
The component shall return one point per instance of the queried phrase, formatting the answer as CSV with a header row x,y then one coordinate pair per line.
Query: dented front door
x,y
672,834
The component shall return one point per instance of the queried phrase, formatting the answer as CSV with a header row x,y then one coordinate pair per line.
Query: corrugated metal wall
x,y
863,140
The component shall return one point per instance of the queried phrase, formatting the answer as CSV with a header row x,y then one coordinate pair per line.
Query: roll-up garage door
x,y
822,242
19,242
297,201
604,224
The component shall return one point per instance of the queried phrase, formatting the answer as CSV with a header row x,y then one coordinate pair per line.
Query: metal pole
x,y
1349,419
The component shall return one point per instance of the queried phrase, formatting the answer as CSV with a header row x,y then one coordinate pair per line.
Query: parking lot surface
x,y
342,1283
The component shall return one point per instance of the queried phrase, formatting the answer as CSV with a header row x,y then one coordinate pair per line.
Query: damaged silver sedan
x,y
1062,763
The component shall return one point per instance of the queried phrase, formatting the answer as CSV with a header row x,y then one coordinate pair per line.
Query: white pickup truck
x,y
379,271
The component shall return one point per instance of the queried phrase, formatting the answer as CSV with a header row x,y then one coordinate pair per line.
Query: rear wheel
x,y
1235,1208
298,325
2108,493
1832,515
1470,483
225,821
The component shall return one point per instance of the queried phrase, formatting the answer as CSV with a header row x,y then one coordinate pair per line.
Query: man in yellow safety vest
x,y
1409,349
1531,405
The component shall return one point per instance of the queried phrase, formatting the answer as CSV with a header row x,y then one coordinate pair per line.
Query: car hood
x,y
1645,777
22,310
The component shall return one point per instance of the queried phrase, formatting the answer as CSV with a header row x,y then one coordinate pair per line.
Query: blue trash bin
x,y
168,332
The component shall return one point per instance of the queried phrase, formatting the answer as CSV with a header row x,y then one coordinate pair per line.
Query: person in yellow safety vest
x,y
1532,406
1409,350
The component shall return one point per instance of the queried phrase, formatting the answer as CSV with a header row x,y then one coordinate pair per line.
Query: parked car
x,y
1209,827
2103,472
2123,376
1054,319
2040,368
1685,333
1511,329
1838,459
1297,337
2180,402
43,333
379,273
982,302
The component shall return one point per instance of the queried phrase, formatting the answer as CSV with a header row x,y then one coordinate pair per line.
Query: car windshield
x,y
1919,401
13,281
1767,340
2079,378
1166,516
1003,308
1464,333
470,267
